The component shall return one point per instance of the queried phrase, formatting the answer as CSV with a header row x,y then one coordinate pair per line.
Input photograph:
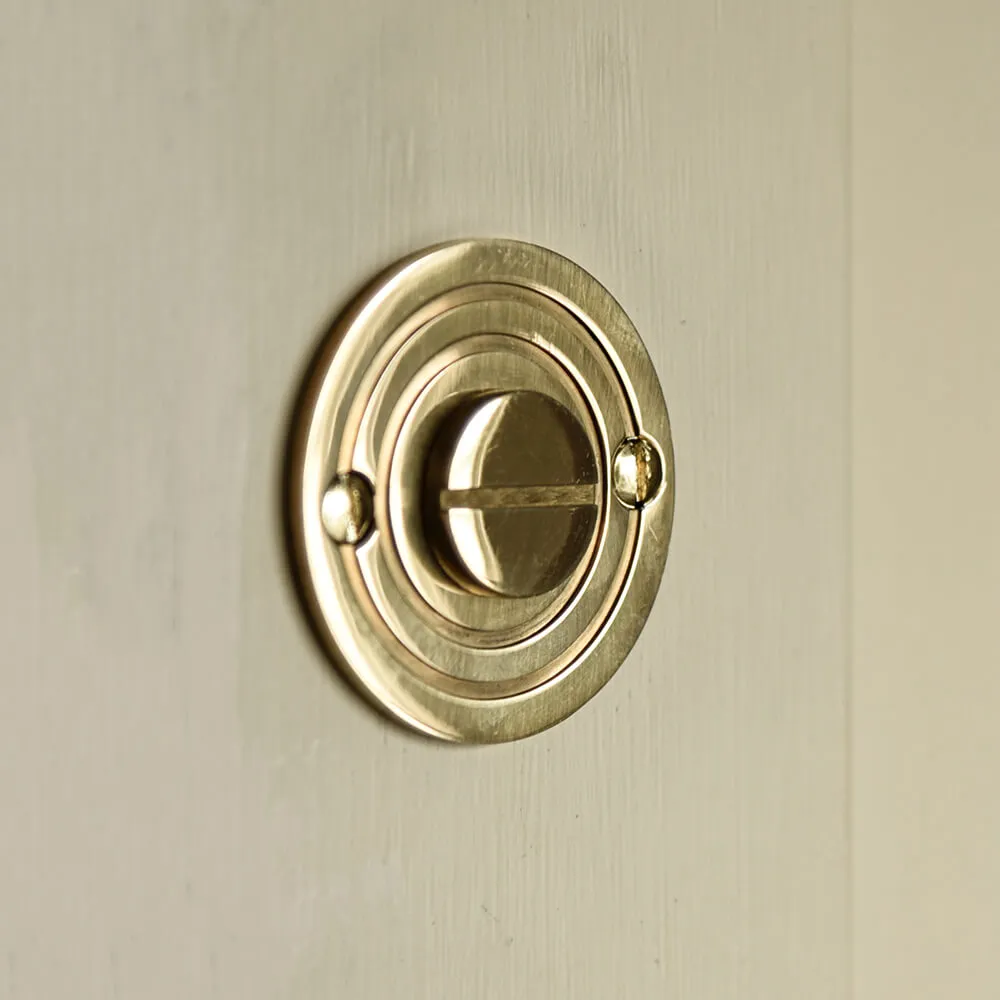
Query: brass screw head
x,y
637,473
347,508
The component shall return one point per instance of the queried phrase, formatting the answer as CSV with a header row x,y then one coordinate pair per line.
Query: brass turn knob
x,y
511,494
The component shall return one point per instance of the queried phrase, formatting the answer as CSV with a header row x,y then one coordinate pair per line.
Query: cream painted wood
x,y
192,805
926,688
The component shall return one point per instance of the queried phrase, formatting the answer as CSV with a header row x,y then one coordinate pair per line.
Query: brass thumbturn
x,y
512,494
481,490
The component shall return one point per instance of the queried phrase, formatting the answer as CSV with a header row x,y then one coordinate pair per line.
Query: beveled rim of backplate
x,y
325,444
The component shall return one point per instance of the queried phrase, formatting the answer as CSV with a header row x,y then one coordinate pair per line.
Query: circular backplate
x,y
481,490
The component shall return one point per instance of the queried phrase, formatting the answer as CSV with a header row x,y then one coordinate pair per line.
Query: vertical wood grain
x,y
192,805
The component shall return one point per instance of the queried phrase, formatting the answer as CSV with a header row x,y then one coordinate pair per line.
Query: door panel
x,y
926,522
194,804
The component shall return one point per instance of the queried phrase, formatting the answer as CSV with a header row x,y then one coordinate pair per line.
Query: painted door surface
x,y
193,805
925,511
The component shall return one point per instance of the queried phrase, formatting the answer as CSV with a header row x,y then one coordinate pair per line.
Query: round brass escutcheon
x,y
481,490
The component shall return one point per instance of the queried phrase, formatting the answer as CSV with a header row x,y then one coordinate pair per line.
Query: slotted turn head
x,y
511,494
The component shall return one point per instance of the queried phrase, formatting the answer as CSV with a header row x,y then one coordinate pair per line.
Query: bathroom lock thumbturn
x,y
481,490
